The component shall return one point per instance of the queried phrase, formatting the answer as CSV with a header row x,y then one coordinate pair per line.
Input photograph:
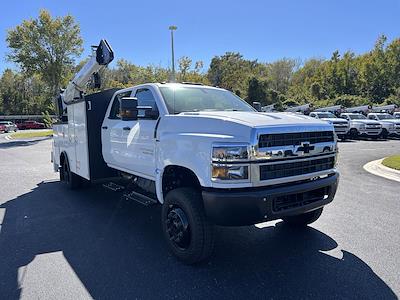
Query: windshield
x,y
357,117
326,115
384,117
188,99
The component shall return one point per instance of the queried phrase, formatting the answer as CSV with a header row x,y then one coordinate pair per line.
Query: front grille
x,y
296,168
372,126
294,138
286,202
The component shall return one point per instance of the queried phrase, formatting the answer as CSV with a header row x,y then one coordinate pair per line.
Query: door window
x,y
114,112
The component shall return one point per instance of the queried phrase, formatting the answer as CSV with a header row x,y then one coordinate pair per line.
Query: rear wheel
x,y
303,219
72,180
189,235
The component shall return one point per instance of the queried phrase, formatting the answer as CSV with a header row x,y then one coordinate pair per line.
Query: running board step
x,y
142,199
113,186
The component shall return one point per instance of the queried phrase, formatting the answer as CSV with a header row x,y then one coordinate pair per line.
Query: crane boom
x,y
99,59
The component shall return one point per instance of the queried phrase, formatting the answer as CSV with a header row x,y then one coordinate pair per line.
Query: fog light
x,y
230,172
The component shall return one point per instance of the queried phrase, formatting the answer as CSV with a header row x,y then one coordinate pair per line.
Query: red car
x,y
31,125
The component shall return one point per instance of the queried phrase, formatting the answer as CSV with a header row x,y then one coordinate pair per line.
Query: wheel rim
x,y
178,228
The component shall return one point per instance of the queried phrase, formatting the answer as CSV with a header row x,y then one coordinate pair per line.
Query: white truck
x,y
202,153
342,127
361,126
390,125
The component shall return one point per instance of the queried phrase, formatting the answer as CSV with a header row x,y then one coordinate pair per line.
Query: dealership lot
x,y
56,243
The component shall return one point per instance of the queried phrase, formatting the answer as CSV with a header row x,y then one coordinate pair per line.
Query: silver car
x,y
8,126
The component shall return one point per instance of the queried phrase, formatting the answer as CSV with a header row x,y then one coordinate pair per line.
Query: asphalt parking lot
x,y
61,244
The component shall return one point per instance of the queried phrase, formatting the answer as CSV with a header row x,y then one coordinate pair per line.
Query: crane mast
x,y
101,56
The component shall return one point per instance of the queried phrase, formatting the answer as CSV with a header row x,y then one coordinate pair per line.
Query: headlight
x,y
228,153
229,172
362,126
391,126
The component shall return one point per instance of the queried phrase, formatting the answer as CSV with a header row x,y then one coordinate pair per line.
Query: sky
x,y
264,30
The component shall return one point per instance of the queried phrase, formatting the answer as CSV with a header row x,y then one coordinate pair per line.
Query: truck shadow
x,y
117,251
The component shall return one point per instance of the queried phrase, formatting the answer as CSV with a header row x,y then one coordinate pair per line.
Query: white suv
x,y
361,126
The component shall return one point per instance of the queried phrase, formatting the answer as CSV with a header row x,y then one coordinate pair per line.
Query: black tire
x,y
353,133
71,180
189,235
384,134
303,219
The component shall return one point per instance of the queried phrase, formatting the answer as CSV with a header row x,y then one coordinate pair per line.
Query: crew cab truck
x,y
203,154
342,127
390,126
361,126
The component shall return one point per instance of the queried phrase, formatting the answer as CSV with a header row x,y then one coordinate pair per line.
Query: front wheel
x,y
353,133
384,134
189,235
303,219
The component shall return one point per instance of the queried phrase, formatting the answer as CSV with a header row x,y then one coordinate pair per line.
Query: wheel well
x,y
177,176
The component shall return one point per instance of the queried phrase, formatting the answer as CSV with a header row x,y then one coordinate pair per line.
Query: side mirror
x,y
128,109
257,106
147,112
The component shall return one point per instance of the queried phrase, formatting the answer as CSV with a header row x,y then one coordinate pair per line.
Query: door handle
x,y
104,127
126,128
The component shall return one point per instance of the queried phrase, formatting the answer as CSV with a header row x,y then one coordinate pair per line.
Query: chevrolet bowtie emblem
x,y
305,148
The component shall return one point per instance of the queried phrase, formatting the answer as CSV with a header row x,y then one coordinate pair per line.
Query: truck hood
x,y
335,120
258,119
390,121
372,122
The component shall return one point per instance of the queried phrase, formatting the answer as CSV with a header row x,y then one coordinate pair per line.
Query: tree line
x,y
46,50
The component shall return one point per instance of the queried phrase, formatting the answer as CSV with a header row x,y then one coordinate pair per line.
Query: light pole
x,y
172,28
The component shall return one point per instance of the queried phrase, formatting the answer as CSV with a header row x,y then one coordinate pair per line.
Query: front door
x,y
111,132
139,150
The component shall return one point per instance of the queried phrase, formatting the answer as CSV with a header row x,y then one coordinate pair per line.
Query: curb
x,y
375,167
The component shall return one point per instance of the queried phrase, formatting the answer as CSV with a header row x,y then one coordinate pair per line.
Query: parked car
x,y
341,126
31,125
7,126
361,126
390,125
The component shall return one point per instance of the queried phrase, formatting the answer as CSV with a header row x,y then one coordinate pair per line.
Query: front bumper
x,y
230,207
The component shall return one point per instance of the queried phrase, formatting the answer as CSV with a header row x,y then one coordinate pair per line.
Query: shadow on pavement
x,y
117,251
21,143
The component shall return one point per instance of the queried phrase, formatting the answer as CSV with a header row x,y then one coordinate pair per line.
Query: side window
x,y
145,98
114,112
313,115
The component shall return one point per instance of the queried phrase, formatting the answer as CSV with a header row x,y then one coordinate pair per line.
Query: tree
x,y
47,46
256,91
184,65
280,73
315,90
